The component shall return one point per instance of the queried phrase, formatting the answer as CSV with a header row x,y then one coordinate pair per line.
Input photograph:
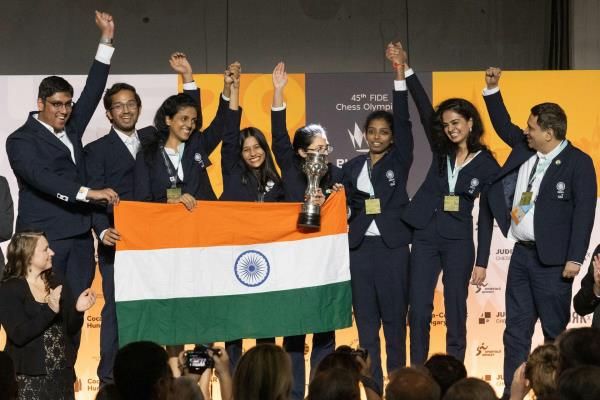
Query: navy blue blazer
x,y
110,164
585,301
290,164
47,177
566,203
233,168
472,181
151,179
389,175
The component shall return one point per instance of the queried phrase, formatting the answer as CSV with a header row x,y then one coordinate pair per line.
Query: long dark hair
x,y
444,147
18,256
171,106
266,172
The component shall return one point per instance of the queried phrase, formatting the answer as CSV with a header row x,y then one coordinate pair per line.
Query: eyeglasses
x,y
57,105
321,149
130,105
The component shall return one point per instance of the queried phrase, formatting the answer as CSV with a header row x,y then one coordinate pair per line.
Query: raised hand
x,y
279,76
180,64
232,72
86,300
396,54
54,299
492,77
105,23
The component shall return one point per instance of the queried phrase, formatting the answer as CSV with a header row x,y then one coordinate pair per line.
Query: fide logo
x,y
252,268
357,137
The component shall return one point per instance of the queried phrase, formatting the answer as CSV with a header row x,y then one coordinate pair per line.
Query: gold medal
x,y
372,206
451,203
526,198
173,193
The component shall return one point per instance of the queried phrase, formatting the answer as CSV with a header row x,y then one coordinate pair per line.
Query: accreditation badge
x,y
451,203
518,213
173,193
526,198
372,206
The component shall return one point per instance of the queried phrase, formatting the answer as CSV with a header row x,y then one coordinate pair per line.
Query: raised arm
x,y
91,94
181,65
510,133
230,149
403,138
282,146
213,134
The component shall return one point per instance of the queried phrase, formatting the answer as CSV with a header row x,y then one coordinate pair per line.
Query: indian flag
x,y
229,270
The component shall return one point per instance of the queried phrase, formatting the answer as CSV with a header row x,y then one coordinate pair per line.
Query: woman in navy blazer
x,y
441,214
171,166
290,158
249,174
379,255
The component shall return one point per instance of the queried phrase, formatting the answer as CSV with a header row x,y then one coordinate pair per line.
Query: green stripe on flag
x,y
221,318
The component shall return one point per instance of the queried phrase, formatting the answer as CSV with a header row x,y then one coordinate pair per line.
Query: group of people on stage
x,y
543,197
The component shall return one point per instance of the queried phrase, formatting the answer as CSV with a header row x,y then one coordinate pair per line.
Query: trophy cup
x,y
315,167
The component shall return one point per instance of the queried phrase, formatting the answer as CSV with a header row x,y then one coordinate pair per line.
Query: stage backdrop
x,y
340,102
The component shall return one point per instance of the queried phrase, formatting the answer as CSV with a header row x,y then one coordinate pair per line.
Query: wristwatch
x,y
107,41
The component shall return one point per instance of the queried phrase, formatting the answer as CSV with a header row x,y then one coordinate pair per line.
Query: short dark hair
x,y
578,346
116,88
411,384
580,383
471,389
53,84
551,116
306,135
334,384
445,370
141,370
380,114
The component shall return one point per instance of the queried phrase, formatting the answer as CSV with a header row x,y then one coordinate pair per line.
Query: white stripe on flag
x,y
210,271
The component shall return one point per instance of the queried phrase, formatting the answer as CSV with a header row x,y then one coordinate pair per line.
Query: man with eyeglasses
x,y
46,155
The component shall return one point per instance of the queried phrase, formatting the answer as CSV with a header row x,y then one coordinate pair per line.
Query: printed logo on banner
x,y
357,137
485,317
438,319
503,254
484,350
579,320
498,381
93,321
485,288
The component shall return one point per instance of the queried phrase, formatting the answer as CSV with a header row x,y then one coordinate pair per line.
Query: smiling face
x,y
124,111
537,138
456,127
252,153
41,259
379,136
182,123
55,110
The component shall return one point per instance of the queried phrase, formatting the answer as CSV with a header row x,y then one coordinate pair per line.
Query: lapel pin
x,y
557,162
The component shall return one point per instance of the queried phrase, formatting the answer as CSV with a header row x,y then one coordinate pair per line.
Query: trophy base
x,y
309,221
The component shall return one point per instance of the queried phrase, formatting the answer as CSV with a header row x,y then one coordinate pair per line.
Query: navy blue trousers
x,y
379,277
234,350
533,290
109,339
430,255
323,344
74,259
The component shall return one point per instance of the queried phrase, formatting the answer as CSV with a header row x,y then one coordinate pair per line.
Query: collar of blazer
x,y
121,152
520,155
43,133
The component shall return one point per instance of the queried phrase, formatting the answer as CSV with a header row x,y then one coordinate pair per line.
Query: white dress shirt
x,y
132,142
524,231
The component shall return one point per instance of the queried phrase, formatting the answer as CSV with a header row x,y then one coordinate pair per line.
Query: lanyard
x,y
540,168
172,175
453,173
370,172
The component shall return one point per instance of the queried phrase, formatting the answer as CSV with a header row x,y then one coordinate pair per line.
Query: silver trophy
x,y
315,167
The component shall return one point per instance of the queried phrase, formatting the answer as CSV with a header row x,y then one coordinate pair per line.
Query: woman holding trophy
x,y
379,255
310,142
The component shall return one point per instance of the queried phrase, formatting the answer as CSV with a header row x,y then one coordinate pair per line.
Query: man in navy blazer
x,y
46,155
544,198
